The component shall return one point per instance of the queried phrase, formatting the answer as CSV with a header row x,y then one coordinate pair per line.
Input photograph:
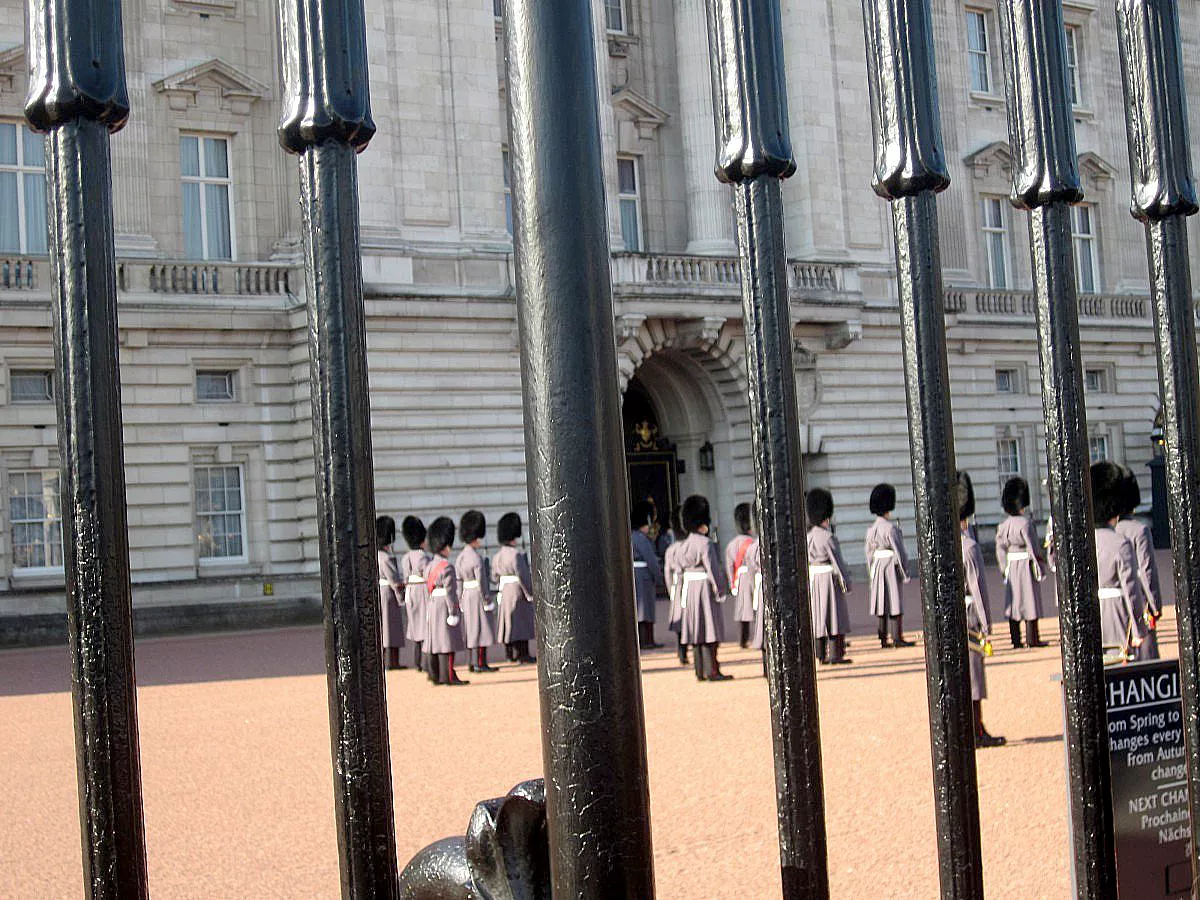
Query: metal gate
x,y
585,831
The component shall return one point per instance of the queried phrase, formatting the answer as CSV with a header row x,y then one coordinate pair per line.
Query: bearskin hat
x,y
385,531
414,532
1132,493
1015,496
964,496
818,503
742,514
883,499
695,512
441,534
508,528
1107,492
472,526
641,513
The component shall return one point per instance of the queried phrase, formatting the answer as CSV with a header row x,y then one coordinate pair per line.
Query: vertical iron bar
x,y
593,731
77,95
1163,196
909,170
754,153
326,120
1046,181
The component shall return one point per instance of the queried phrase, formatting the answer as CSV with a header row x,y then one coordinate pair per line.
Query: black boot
x,y
683,660
745,641
523,656
698,662
1031,634
982,738
1014,631
764,656
713,668
883,632
433,667
510,651
481,663
898,633
822,649
418,656
837,652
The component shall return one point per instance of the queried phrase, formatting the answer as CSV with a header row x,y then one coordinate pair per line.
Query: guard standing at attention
x,y
1019,553
735,570
887,565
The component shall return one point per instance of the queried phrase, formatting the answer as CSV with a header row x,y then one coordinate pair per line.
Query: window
x,y
220,514
979,52
216,385
1098,448
22,190
498,8
614,15
33,508
1008,381
31,386
1073,83
1095,381
995,238
204,165
1083,236
630,201
508,203
1008,458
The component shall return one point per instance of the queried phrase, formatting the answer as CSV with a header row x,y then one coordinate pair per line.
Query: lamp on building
x,y
707,462
1156,433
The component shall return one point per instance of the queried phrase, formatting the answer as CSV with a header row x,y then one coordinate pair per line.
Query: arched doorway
x,y
650,456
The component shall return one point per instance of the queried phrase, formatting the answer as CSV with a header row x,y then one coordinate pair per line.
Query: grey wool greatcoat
x,y
394,624
445,607
647,575
827,584
740,586
511,569
979,617
1015,536
674,579
478,599
754,577
1138,534
887,564
416,595
702,589
1120,612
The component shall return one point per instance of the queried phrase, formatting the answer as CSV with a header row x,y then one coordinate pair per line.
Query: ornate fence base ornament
x,y
504,856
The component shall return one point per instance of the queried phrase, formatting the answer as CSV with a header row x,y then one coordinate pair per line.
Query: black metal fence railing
x,y
584,831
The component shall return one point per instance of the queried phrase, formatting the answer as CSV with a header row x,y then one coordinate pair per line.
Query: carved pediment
x,y
645,115
232,89
12,65
1096,171
991,161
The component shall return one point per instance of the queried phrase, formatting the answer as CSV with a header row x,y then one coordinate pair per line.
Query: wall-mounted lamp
x,y
707,462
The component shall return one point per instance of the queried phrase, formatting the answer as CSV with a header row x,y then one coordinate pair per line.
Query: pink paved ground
x,y
238,789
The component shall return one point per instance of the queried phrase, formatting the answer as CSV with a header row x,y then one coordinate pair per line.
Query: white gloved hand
x,y
452,620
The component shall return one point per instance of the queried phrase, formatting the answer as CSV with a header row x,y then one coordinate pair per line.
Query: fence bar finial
x,y
1045,181
909,170
77,96
593,731
1164,194
326,120
754,152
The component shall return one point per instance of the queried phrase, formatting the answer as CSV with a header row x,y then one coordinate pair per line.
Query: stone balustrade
x,y
32,273
721,274
1020,304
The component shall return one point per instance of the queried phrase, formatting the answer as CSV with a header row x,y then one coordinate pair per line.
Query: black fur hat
x,y
472,526
508,528
385,531
441,534
641,513
1015,496
414,532
818,503
695,512
964,496
1108,489
883,499
1132,493
743,513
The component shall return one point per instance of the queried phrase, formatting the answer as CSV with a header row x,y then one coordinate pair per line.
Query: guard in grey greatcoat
x,y
445,633
887,564
979,623
515,595
1137,533
478,599
416,595
1019,553
394,621
735,570
828,582
647,574
674,579
703,588
1122,607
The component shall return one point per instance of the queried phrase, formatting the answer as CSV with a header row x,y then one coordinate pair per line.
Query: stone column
x,y
709,204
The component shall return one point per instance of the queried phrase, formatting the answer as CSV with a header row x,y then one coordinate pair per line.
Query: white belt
x,y
969,599
506,580
439,592
757,589
1110,593
470,585
884,554
737,576
415,579
638,564
1018,555
383,582
690,578
820,569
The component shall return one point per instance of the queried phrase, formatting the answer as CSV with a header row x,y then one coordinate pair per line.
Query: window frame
x,y
1100,434
1018,441
985,20
1090,239
635,198
233,376
1072,44
17,372
34,571
506,181
1014,379
988,231
243,517
1106,379
622,11
21,168
204,179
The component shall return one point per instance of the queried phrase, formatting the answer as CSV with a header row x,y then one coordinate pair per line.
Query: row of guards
x,y
584,832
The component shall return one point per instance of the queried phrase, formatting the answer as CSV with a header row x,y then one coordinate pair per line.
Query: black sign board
x,y
1149,781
